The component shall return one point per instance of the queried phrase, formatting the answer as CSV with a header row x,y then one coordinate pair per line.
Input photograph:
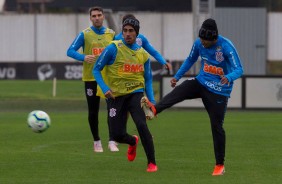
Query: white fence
x,y
46,37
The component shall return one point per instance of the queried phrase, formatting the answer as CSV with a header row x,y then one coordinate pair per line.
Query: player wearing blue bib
x,y
220,67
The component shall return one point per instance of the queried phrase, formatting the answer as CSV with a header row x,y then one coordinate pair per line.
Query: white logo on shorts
x,y
89,92
112,112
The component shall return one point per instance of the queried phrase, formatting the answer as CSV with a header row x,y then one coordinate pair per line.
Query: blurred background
x,y
35,35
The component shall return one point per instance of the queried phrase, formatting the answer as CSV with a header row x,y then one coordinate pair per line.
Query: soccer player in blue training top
x,y
126,76
142,41
93,40
220,67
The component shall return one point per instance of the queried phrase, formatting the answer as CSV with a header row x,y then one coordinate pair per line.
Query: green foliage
x,y
183,144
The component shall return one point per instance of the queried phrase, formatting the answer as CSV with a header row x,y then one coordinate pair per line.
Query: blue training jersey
x,y
108,57
142,41
218,60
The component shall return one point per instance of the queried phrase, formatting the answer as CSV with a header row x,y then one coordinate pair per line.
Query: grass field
x,y
64,153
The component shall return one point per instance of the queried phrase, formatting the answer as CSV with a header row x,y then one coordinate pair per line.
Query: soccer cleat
x,y
131,152
218,170
148,108
113,146
152,167
98,146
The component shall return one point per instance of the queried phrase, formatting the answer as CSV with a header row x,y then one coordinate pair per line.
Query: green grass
x,y
183,144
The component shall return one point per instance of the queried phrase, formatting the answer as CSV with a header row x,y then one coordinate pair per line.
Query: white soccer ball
x,y
39,121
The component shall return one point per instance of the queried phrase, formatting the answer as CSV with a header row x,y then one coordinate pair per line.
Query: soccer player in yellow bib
x,y
145,44
128,76
93,40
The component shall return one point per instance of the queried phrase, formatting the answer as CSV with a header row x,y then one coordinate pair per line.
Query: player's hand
x,y
109,94
89,58
224,80
168,66
173,82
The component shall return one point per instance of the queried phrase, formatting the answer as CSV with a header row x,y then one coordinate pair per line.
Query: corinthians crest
x,y
90,92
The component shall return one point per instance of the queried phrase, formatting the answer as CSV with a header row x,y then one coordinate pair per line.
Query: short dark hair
x,y
127,16
133,22
96,8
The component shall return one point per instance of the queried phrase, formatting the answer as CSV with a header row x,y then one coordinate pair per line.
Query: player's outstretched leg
x,y
148,108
